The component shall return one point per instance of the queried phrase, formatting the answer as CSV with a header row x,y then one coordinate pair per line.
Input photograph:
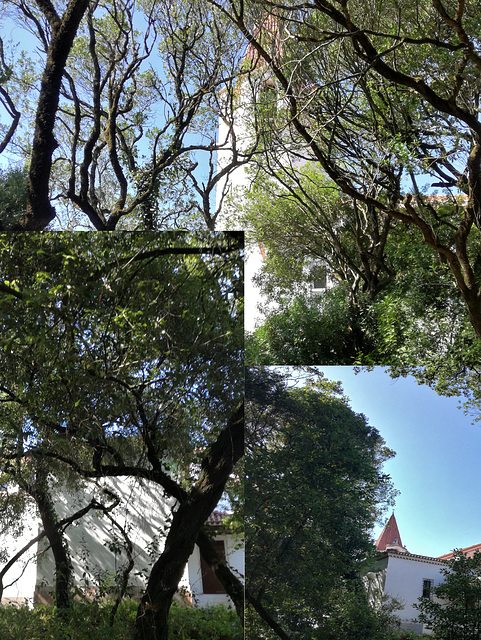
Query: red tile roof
x,y
216,518
390,536
468,551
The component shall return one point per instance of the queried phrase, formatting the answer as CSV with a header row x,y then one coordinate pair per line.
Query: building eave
x,y
410,556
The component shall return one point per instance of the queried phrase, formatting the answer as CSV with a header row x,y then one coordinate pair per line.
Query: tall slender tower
x,y
236,135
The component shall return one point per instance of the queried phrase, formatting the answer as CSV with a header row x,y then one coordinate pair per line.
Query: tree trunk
x,y
63,566
39,209
265,615
188,520
231,583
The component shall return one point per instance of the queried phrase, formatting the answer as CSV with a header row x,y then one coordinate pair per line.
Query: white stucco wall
x,y
404,581
144,513
236,183
19,580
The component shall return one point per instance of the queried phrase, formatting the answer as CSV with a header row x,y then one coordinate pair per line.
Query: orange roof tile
x,y
390,536
468,551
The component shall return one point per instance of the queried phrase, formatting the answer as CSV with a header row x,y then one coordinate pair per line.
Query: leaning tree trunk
x,y
231,583
63,566
63,29
188,520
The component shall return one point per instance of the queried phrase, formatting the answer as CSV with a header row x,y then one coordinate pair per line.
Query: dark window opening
x,y
210,583
427,588
319,284
319,277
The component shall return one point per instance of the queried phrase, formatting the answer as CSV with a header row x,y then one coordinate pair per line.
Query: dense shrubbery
x,y
91,622
310,330
207,623
83,621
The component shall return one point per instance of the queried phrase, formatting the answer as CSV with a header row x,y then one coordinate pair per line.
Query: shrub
x,y
91,621
83,621
206,623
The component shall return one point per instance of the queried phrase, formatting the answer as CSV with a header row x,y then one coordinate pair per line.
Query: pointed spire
x,y
390,537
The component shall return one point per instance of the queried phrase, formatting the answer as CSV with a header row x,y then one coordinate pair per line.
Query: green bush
x,y
207,623
84,621
91,621
310,330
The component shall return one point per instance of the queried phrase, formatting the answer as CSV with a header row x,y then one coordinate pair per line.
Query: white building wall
x,y
233,187
19,581
237,183
144,513
238,179
404,581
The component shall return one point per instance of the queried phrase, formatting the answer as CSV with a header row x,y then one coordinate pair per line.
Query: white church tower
x,y
237,138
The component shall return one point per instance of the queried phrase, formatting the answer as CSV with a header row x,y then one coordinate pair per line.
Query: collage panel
x,y
343,142
362,220
360,516
122,434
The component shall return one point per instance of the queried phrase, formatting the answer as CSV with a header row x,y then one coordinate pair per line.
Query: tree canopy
x,y
314,487
383,100
122,355
112,110
368,161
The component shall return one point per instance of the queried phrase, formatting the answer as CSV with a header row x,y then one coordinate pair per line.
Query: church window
x,y
427,588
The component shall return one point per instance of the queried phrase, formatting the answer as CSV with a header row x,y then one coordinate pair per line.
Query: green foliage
x,y
91,621
304,221
13,195
352,618
87,321
392,301
84,621
309,330
204,623
314,487
454,613
372,171
120,353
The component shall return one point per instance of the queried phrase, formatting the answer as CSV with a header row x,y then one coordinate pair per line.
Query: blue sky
x,y
437,464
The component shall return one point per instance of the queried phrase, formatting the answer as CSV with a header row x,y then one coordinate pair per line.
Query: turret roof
x,y
390,536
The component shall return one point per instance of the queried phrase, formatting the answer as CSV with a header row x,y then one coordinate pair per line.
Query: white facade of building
x,y
232,188
98,548
19,581
405,577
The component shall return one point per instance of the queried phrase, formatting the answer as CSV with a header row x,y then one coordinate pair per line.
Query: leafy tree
x,y
6,101
314,487
123,100
309,330
454,611
384,101
120,355
352,617
13,195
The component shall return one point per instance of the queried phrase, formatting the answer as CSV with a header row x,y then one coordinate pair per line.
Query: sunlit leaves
x,y
107,326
